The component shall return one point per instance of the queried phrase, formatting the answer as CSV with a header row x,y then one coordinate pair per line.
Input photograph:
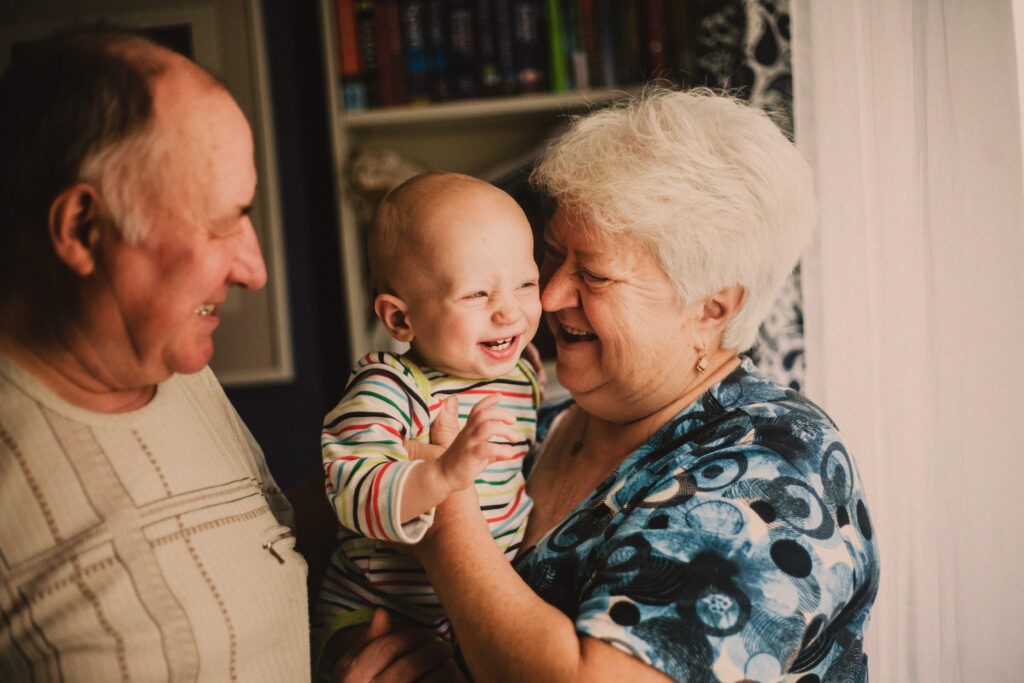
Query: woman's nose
x,y
559,291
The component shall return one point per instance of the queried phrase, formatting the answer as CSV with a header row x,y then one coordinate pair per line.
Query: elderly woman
x,y
692,519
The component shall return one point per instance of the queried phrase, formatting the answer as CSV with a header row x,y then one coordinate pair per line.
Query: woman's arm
x,y
506,632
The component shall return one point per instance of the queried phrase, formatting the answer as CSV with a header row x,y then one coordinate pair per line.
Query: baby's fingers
x,y
479,416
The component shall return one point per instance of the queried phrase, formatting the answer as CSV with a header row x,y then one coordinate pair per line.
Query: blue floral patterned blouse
x,y
735,545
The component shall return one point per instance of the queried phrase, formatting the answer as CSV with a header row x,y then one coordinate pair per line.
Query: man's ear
x,y
720,307
75,222
393,311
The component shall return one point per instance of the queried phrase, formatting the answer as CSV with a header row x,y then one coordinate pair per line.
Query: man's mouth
x,y
207,309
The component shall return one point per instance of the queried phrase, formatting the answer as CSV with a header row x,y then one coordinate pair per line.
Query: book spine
x,y
414,45
437,51
462,54
682,31
655,39
575,45
353,89
487,49
628,60
528,47
504,44
390,59
606,37
558,71
366,32
591,45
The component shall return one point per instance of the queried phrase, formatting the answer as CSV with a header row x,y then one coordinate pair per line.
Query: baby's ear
x,y
392,311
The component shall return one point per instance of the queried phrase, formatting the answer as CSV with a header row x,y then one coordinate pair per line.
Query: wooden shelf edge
x,y
482,108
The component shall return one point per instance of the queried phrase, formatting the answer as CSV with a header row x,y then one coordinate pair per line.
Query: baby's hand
x,y
474,449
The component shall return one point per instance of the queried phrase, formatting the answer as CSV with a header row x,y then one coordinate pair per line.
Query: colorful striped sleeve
x,y
363,454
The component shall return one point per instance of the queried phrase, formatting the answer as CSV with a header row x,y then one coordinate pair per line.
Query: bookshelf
x,y
485,137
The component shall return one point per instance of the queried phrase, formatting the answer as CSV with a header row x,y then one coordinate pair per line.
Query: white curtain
x,y
914,312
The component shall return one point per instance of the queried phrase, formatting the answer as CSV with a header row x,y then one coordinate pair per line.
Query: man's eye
x,y
476,295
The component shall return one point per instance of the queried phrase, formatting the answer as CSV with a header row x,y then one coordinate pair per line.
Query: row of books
x,y
394,52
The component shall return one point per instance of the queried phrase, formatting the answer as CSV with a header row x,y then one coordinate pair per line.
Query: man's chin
x,y
190,361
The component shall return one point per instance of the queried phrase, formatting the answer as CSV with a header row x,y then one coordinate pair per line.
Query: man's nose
x,y
248,269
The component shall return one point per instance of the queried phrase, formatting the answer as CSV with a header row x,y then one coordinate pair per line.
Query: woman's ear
x,y
393,312
721,306
75,222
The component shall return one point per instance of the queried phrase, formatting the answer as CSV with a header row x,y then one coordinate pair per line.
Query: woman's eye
x,y
591,278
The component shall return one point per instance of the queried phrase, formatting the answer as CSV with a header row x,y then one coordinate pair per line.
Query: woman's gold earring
x,y
702,360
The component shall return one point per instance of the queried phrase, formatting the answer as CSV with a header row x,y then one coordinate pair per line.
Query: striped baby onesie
x,y
390,399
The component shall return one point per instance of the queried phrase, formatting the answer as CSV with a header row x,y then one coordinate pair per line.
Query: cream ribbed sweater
x,y
133,546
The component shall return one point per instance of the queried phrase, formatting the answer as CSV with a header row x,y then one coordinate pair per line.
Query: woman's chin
x,y
573,379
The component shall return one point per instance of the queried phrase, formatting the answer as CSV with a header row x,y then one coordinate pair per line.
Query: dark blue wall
x,y
285,419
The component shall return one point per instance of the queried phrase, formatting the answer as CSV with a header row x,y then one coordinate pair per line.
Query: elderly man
x,y
141,535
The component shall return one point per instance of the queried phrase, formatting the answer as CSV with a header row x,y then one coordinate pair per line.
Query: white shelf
x,y
513,105
479,137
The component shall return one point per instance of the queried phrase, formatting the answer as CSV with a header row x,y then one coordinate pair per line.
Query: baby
x,y
452,259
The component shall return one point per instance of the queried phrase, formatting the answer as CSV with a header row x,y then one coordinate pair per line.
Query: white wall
x,y
914,296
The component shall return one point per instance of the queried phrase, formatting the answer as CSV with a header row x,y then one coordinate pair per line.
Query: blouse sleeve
x,y
365,461
734,563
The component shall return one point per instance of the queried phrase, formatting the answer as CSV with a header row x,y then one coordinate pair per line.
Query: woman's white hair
x,y
707,184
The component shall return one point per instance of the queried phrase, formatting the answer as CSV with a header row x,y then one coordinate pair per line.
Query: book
x,y
462,49
487,49
391,66
528,45
504,46
353,89
626,37
558,69
606,42
575,46
366,36
414,48
682,30
655,39
586,19
437,50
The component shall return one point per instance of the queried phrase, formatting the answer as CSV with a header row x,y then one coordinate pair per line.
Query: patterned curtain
x,y
744,46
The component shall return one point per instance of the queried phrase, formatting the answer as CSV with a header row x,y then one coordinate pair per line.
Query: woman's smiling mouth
x,y
573,334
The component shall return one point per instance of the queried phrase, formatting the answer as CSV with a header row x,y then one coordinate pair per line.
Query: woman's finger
x,y
428,661
371,661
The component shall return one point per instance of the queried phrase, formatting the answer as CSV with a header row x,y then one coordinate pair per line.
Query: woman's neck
x,y
612,435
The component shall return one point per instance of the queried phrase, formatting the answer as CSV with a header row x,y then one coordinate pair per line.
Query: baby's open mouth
x,y
499,344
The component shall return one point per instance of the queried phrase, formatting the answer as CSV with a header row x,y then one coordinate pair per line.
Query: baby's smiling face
x,y
470,284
